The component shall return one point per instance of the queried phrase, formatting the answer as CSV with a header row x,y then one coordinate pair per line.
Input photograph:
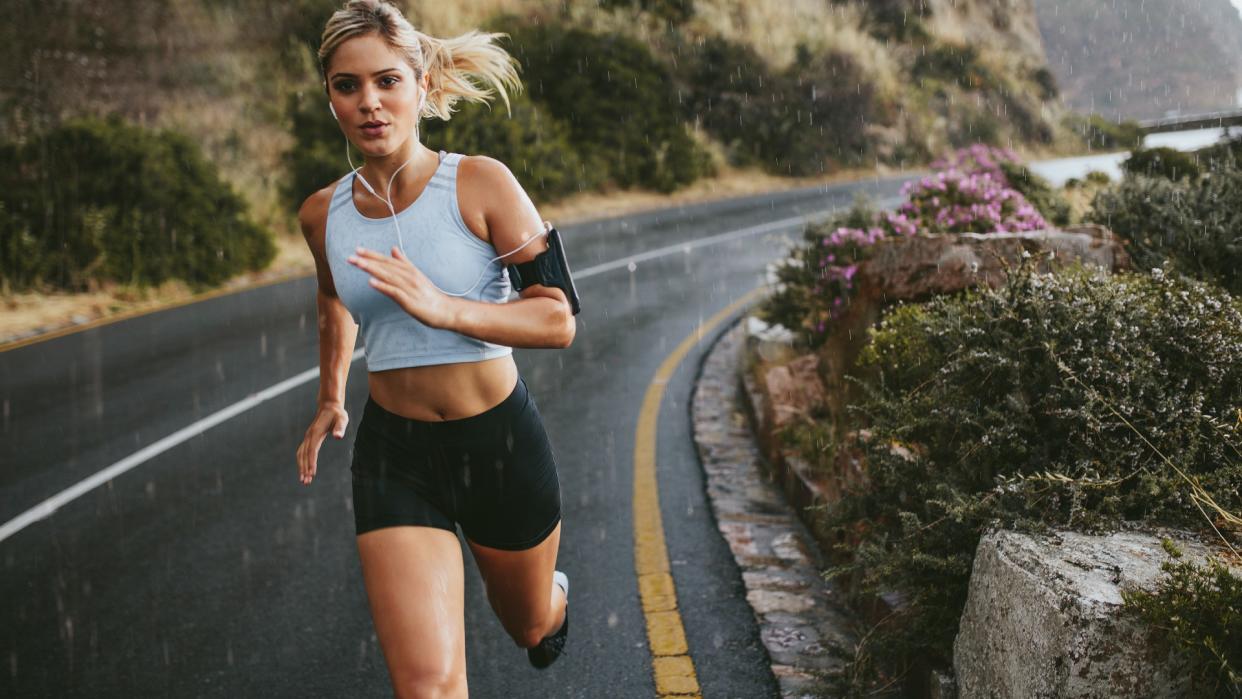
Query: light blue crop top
x,y
439,244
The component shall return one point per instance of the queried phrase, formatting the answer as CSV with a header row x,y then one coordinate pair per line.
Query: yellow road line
x,y
671,664
108,320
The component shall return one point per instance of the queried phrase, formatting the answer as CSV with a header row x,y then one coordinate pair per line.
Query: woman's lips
x,y
374,131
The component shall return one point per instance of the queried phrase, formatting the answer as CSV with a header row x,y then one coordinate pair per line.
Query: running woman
x,y
408,248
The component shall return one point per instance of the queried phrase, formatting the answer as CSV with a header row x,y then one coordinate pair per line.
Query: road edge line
x,y
672,667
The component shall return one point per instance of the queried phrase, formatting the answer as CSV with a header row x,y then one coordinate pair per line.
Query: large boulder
x,y
1043,617
919,266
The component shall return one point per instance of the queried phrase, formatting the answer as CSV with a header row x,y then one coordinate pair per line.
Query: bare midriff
x,y
444,391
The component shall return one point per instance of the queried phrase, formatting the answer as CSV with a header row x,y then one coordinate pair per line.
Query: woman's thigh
x,y
519,584
413,578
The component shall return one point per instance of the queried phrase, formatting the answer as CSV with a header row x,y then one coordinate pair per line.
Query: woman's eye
x,y
389,77
344,86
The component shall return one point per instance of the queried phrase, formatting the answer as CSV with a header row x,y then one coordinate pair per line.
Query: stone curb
x,y
803,625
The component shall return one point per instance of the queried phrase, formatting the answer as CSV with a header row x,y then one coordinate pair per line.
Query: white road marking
x,y
64,497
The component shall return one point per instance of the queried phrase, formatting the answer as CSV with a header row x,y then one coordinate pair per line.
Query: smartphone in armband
x,y
549,268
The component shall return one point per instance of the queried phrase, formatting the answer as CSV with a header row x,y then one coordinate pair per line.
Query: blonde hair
x,y
454,65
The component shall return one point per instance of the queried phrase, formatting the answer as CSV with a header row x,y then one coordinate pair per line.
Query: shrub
x,y
1098,178
618,100
1003,165
1161,162
1076,400
101,199
530,141
805,120
672,11
899,20
317,157
1050,203
817,118
1197,612
1196,225
727,88
817,281
533,143
1226,155
1099,132
958,64
951,201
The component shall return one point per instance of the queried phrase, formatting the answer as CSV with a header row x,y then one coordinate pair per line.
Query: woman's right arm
x,y
337,335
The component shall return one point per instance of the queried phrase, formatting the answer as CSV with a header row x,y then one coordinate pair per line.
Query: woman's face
x,y
373,90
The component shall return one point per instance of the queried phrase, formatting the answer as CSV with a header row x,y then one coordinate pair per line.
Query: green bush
x,y
817,117
898,20
105,200
1052,205
1070,400
953,63
1225,155
617,98
672,11
1197,225
727,87
1161,162
531,142
801,302
805,120
1098,178
317,157
1101,133
1196,611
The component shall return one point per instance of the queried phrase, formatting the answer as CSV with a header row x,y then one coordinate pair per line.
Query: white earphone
x,y
387,200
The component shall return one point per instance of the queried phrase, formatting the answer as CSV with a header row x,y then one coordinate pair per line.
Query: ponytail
x,y
457,65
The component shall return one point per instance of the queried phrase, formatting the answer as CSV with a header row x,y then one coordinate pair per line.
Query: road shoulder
x,y
803,624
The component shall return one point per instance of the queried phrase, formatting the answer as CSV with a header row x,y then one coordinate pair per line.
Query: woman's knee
x,y
428,681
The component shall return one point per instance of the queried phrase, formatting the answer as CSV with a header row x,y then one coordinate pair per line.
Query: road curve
x,y
206,570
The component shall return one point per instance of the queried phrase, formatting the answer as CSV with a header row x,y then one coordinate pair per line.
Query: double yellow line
x,y
671,664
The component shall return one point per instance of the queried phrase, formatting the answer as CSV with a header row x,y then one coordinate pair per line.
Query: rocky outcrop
x,y
1139,60
1043,617
920,266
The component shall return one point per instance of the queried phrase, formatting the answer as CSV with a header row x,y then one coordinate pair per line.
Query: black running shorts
x,y
494,473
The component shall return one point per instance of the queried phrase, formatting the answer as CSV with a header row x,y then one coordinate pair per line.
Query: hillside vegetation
x,y
650,94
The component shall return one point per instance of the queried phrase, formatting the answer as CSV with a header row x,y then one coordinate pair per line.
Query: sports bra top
x,y
438,243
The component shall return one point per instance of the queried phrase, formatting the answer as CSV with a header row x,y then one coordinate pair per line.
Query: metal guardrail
x,y
1205,120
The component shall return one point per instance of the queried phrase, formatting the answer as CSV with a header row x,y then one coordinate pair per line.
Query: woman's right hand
x,y
331,417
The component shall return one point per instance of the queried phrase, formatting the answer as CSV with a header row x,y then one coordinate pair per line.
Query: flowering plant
x,y
969,192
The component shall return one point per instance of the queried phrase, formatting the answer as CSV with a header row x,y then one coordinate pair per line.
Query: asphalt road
x,y
208,570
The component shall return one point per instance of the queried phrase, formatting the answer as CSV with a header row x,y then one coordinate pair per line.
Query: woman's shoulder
x,y
313,219
483,169
486,179
485,185
313,213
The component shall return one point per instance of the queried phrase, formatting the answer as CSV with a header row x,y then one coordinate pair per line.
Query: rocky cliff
x,y
1142,60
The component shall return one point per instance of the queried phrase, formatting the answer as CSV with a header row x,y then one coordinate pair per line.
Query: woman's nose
x,y
370,99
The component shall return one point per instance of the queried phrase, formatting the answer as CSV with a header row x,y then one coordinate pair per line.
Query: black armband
x,y
549,268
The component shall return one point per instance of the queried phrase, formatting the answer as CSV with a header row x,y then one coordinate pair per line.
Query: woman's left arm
x,y
492,199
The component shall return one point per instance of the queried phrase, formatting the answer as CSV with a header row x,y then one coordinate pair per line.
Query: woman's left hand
x,y
404,283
